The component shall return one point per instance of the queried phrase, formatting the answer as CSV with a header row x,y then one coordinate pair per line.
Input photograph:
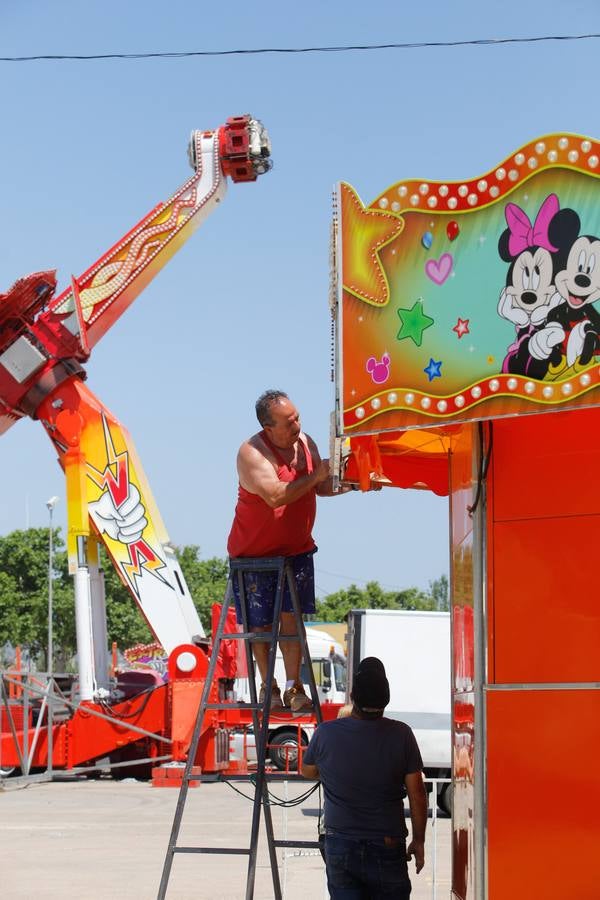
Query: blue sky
x,y
89,147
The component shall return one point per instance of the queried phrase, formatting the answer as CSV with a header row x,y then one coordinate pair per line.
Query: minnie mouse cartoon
x,y
578,283
530,293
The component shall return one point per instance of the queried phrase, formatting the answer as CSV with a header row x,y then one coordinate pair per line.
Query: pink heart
x,y
439,269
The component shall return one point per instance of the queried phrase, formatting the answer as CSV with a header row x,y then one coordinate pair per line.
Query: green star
x,y
414,322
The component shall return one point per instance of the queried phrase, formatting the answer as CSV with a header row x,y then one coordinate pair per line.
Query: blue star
x,y
434,369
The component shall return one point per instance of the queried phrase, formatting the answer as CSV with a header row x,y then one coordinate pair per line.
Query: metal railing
x,y
18,690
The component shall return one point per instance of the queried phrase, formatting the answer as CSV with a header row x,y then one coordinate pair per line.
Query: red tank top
x,y
258,530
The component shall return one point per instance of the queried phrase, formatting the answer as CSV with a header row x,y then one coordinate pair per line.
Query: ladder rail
x,y
193,749
303,640
261,731
260,717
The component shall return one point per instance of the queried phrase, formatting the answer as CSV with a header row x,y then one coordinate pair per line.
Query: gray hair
x,y
263,405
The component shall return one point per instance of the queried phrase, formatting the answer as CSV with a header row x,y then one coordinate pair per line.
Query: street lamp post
x,y
51,503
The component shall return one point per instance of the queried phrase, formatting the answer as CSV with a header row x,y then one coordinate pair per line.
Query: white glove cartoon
x,y
575,342
514,314
539,314
543,342
124,523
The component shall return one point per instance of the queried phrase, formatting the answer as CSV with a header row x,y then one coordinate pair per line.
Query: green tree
x,y
24,595
206,580
438,589
334,607
24,592
414,598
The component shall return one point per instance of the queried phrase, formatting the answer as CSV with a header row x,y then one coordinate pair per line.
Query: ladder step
x,y
240,851
253,637
257,637
258,706
306,844
262,563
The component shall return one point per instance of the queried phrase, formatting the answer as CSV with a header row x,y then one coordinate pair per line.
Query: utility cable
x,y
186,54
484,464
273,799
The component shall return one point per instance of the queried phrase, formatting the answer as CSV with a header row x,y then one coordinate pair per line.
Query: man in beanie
x,y
367,764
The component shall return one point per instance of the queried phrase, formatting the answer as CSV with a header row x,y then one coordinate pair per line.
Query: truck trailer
x,y
287,733
414,647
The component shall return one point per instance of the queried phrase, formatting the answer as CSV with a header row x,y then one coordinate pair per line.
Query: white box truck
x,y
329,669
414,647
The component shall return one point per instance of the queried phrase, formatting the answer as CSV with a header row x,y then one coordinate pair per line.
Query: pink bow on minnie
x,y
523,234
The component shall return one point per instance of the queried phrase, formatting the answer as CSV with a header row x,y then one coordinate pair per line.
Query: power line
x,y
186,54
358,581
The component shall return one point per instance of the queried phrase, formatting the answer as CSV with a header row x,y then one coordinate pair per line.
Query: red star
x,y
461,327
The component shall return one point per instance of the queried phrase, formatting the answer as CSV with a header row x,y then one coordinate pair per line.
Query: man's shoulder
x,y
254,447
396,726
310,441
332,727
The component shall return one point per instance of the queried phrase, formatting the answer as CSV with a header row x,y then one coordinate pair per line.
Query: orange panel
x,y
546,612
543,795
547,465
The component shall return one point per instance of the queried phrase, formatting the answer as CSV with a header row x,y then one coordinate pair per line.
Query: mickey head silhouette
x,y
379,371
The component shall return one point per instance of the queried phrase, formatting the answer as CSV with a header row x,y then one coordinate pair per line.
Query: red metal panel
x,y
543,795
546,463
544,531
547,621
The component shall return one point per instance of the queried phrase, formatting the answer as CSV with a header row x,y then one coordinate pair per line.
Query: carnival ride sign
x,y
466,300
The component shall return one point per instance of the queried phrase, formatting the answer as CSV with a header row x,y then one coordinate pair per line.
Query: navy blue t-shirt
x,y
362,764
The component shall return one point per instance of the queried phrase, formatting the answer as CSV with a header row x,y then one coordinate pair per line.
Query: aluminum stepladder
x,y
260,717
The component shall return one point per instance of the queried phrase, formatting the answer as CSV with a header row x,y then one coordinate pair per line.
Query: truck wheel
x,y
284,749
444,800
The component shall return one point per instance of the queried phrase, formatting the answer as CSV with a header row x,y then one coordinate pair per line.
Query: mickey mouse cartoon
x,y
530,293
579,285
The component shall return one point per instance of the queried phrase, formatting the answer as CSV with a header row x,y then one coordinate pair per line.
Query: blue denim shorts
x,y
260,589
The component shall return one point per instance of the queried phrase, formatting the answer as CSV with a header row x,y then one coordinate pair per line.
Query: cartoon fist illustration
x,y
543,342
124,523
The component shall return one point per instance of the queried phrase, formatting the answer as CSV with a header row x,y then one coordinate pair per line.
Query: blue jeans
x,y
366,869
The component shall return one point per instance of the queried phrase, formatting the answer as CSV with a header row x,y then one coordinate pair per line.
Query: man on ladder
x,y
272,578
280,473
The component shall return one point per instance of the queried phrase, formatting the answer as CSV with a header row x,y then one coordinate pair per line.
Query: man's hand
x,y
309,771
322,470
417,800
416,849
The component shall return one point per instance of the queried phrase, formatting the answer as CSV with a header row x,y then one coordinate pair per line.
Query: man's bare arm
x,y
311,772
325,487
417,800
258,476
